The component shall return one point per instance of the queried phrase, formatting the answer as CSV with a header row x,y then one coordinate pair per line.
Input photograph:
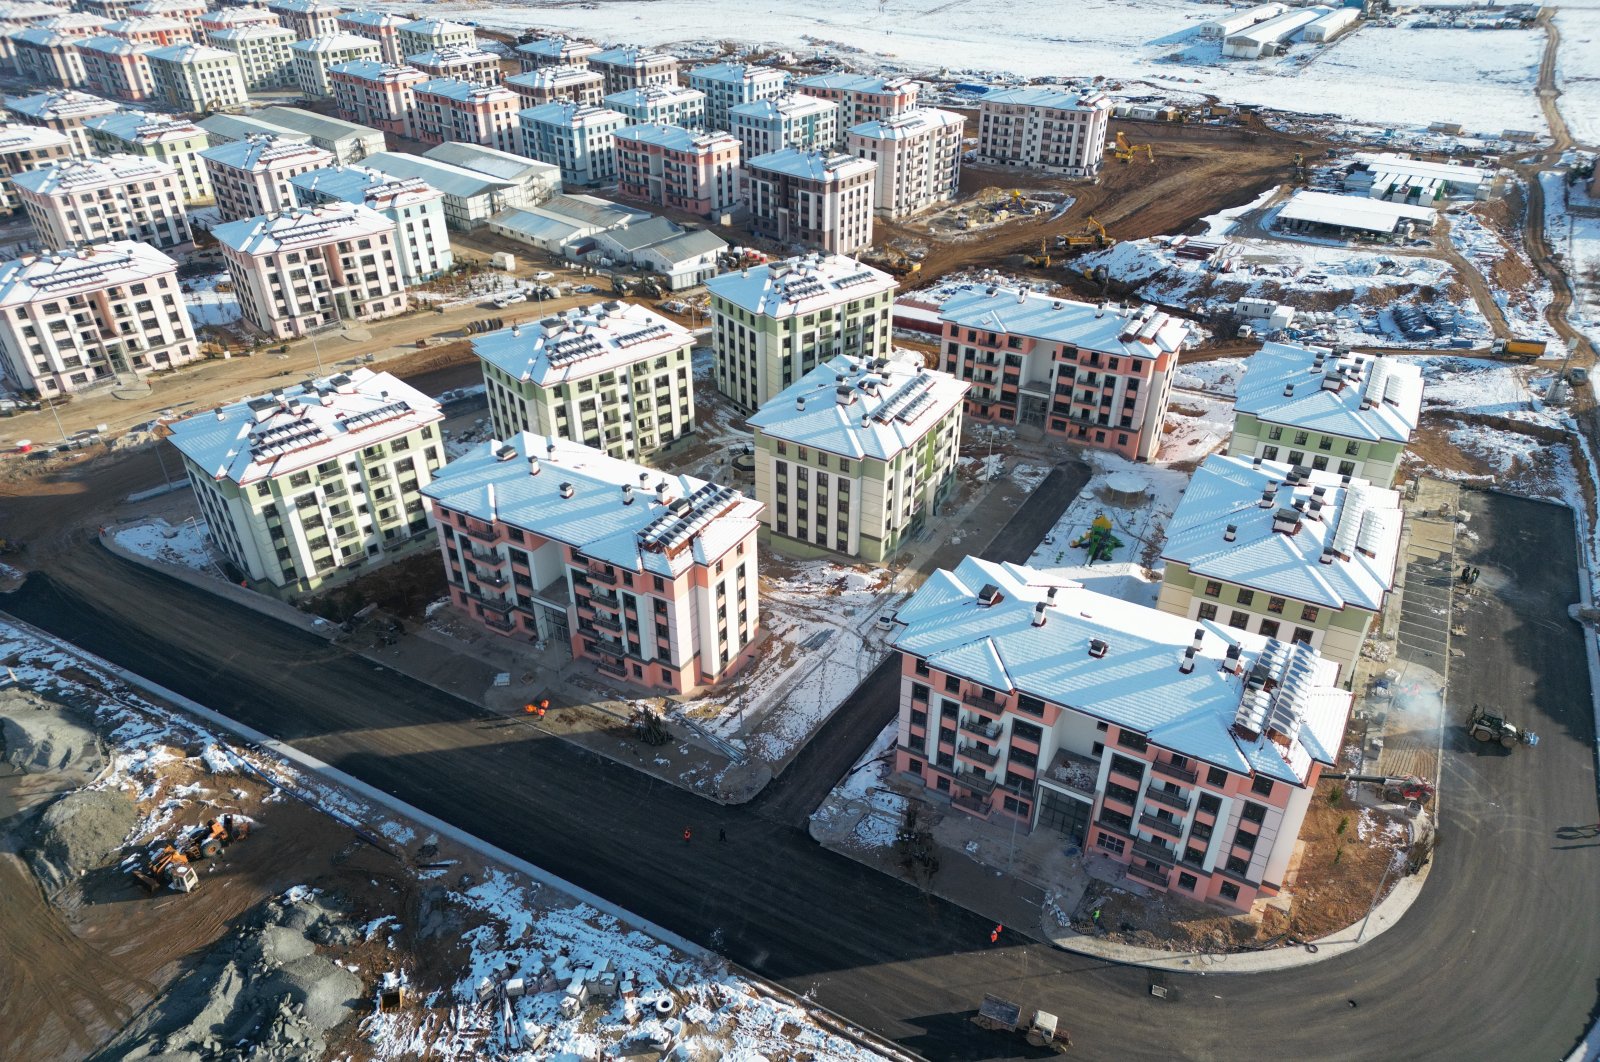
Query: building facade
x,y
67,111
672,167
309,485
73,319
918,155
661,105
631,68
426,34
153,31
311,267
450,110
580,140
614,376
266,54
24,148
380,27
727,85
472,65
216,20
1045,128
175,141
189,12
47,58
857,454
1094,374
252,177
773,324
862,97
313,59
308,18
652,578
422,242
812,197
197,77
555,51
557,84
791,120
377,95
118,197
1185,752
113,67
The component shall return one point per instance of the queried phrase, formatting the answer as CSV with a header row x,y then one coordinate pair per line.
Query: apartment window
x,y
1253,812
1026,731
1275,605
921,667
919,718
1213,588
300,479
1216,776
1300,438
1302,635
1115,845
1262,786
1269,628
1229,891
263,489
1246,597
1209,803
1208,611
952,684
1032,705
1309,614
1239,619
1187,880
1238,865
1129,739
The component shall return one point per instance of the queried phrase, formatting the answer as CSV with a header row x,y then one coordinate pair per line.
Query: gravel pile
x,y
78,833
40,736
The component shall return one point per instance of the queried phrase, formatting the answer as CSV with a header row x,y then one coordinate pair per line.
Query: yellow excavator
x,y
1040,260
1093,237
1126,152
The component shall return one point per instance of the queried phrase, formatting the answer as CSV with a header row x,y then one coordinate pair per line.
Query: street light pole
x,y
1375,897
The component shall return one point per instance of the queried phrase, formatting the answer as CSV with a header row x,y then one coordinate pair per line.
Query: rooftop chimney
x,y
1039,613
627,494
1186,665
567,490
1327,556
220,414
989,594
533,466
1230,533
1288,390
1199,638
1098,647
800,403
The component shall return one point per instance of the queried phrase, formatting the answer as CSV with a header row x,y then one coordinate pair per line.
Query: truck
x,y
1521,349
1042,1029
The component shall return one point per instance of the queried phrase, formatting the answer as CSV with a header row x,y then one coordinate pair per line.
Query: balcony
x,y
606,623
1172,770
606,648
492,578
613,667
1074,772
486,536
976,697
1143,873
1171,800
499,623
978,783
1170,827
1151,850
603,600
600,575
973,805
976,754
488,556
1024,788
980,728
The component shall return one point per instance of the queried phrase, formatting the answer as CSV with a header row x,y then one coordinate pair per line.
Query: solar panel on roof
x,y
374,416
671,530
1348,528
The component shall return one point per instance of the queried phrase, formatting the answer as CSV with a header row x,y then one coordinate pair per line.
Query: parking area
x,y
1425,612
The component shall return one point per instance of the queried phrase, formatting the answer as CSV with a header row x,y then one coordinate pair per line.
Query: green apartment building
x,y
175,141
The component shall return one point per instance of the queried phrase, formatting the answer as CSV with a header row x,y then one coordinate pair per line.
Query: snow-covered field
x,y
1484,248
1579,69
185,544
207,305
1577,235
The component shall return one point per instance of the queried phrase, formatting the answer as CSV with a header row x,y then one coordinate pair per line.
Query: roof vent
x,y
1230,533
644,480
1098,647
1234,654
1327,556
989,594
1286,521
1186,665
516,330
1288,390
1256,462
550,447
505,453
1199,638
220,414
567,490
1269,498
627,494
1050,594
533,466
1039,613
800,403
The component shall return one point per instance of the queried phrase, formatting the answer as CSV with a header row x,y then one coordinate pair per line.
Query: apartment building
x,y
631,68
791,120
855,456
615,376
380,27
773,324
46,57
313,59
1094,374
153,30
175,141
450,110
661,105
309,485
189,12
672,167
308,18
862,97
555,52
557,84
651,577
580,140
105,10
24,148
814,198
73,319
1045,128
310,267
64,110
1295,554
197,77
113,67
119,197
266,54
415,208
377,94
252,177
472,65
1187,752
1330,410
727,85
226,18
427,34
918,155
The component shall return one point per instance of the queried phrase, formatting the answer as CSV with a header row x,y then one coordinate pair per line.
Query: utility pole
x,y
1375,897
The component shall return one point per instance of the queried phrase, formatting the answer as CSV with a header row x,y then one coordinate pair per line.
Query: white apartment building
x,y
310,484
308,18
218,19
310,267
555,51
774,323
186,11
580,140
862,97
472,65
856,455
175,141
558,84
197,77
252,177
313,58
115,67
27,147
426,34
1042,127
72,319
46,57
265,54
64,110
787,121
918,155
118,197
629,68
615,376
380,27
814,198
661,105
415,207
377,95
727,85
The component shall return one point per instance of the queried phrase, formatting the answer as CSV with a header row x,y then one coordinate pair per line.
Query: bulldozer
x,y
1483,725
170,864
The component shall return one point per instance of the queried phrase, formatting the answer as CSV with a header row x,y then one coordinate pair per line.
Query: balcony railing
x,y
1144,873
977,754
1159,852
979,698
979,728
1172,770
1171,800
607,648
1156,822
607,623
499,623
973,805
605,600
973,780
600,575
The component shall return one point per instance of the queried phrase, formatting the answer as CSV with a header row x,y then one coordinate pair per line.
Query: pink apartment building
x,y
116,68
237,18
376,94
1097,375
1186,751
45,57
672,167
451,110
188,12
473,65
152,30
558,84
555,51
862,97
380,27
250,177
649,576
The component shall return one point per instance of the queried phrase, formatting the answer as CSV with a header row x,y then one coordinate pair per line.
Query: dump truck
x,y
1041,1030
1484,725
1523,349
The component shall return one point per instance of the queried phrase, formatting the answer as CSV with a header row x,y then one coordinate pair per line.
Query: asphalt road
x,y
1499,958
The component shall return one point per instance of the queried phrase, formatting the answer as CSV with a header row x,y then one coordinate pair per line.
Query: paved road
x,y
1499,958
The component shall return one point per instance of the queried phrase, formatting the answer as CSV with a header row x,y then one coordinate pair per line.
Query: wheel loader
x,y
169,864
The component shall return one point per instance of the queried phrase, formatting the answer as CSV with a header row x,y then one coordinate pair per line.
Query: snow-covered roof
x,y
557,47
189,53
1389,163
369,187
436,26
30,137
855,83
860,408
255,31
322,126
260,151
812,165
564,114
580,342
135,127
677,138
127,27
452,180
800,285
1143,332
590,211
453,55
74,175
375,19
645,95
336,42
492,161
1352,211
1313,536
1045,96
629,57
40,37
554,77
60,104
302,227
226,127
304,7
452,88
1357,396
910,124
1220,711
686,246
788,105
618,512
737,73
377,70
54,274
109,45
275,434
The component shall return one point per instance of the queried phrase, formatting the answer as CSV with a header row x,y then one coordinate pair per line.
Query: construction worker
x,y
544,705
688,835
722,833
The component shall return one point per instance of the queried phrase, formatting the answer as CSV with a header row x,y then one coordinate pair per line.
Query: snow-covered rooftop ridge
x,y
844,82
1141,331
253,31
79,174
611,510
557,46
737,73
374,17
566,114
361,184
643,95
453,88
860,408
452,53
629,57
550,77
336,42
909,124
1355,211
112,45
803,284
435,25
139,128
314,226
1387,162
60,103
52,274
676,137
1046,96
1192,688
580,342
787,105
294,428
812,165
1314,536
264,151
23,137
1358,396
377,70
190,52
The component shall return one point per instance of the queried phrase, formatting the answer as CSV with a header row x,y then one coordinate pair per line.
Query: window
x,y
1026,731
300,479
1125,765
921,667
1238,865
919,718
1352,448
952,684
1309,614
1022,757
947,735
1300,438
1208,611
1253,812
1229,891
1239,619
1275,605
1115,845
1128,739
1033,706
919,692
1216,776
1246,597
1188,881
1213,588
1243,838
1209,803
1275,432
1269,628
1262,786
1302,635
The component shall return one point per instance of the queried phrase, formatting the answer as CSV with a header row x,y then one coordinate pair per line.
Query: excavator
x,y
1093,237
1128,152
1040,260
170,864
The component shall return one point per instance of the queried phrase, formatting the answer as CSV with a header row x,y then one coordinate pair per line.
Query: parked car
x,y
584,289
1578,375
509,298
544,274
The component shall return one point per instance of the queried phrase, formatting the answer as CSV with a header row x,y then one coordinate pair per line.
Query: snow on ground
x,y
1484,248
862,795
1578,70
186,544
1220,376
1195,426
207,305
1576,235
1496,389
